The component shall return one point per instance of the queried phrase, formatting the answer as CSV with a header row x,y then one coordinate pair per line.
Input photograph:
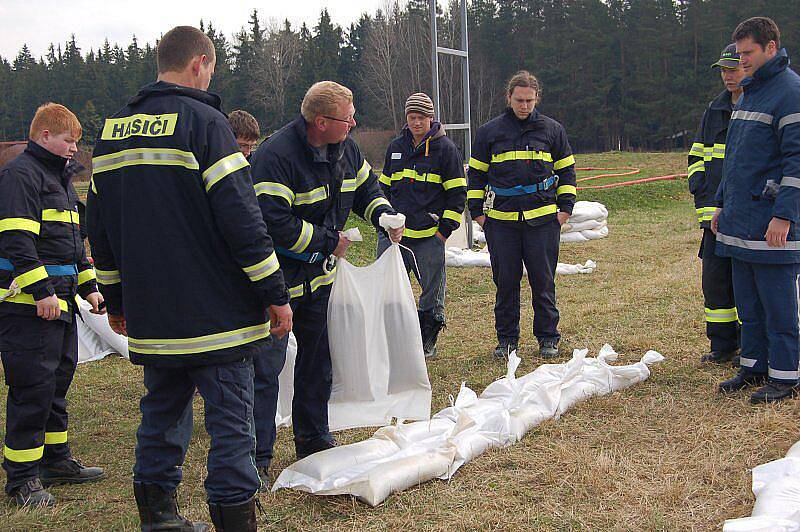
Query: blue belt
x,y
521,190
303,257
52,269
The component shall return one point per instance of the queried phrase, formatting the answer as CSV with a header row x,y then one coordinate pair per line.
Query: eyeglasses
x,y
347,120
251,147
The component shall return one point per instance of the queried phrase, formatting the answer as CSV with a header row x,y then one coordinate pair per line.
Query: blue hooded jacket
x,y
761,175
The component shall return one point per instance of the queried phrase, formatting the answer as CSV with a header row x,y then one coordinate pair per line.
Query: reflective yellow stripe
x,y
107,277
199,344
476,194
146,156
32,276
420,233
315,284
19,224
699,166
263,269
452,215
306,232
363,173
54,215
27,299
566,189
54,438
500,215
715,151
275,189
697,149
23,455
455,182
721,315
91,185
541,211
224,167
563,163
348,185
522,155
86,275
385,179
312,196
374,204
410,173
705,214
478,165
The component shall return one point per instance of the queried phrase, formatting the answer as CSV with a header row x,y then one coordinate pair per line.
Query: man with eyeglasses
x,y
245,129
308,176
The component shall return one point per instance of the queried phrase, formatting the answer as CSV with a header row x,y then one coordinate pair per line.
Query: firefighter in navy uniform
x,y
521,190
423,177
705,173
188,271
308,176
42,266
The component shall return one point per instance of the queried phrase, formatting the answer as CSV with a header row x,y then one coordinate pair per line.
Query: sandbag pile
x,y
400,456
465,258
589,221
776,486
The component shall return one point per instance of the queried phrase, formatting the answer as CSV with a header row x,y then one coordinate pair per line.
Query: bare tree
x,y
277,63
381,56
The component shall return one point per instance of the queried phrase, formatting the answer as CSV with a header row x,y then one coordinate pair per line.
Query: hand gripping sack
x,y
379,369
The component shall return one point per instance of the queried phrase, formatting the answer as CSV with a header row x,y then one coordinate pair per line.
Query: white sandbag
x,y
466,258
379,369
585,236
761,524
588,210
794,450
403,455
571,227
96,340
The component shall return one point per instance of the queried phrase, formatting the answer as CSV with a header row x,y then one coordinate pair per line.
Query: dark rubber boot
x,y
742,380
158,511
773,392
234,517
69,471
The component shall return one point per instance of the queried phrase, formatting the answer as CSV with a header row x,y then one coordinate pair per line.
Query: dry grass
x,y
667,454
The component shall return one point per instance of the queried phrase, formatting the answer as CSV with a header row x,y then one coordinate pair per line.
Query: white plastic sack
x,y
585,236
466,258
96,340
403,455
379,369
588,210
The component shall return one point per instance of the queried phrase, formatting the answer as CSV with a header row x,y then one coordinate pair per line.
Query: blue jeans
x,y
166,428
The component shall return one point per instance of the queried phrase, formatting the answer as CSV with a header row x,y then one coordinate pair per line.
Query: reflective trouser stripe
x,y
791,375
54,438
23,455
200,344
748,362
721,315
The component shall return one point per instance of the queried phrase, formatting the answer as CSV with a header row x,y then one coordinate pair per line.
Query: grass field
x,y
667,454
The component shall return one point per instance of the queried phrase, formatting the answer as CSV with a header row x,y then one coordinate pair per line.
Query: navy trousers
x,y
312,377
39,359
722,322
766,297
166,428
512,244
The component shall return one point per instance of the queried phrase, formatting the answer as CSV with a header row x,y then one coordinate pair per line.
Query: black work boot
x,y
721,357
158,511
234,517
772,392
304,448
504,349
68,471
548,349
263,476
430,334
32,495
742,380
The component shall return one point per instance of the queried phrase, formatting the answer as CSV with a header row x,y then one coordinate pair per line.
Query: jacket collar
x,y
436,132
301,130
533,117
46,157
162,88
722,102
770,69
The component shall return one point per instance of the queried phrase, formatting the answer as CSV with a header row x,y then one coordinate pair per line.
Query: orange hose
x,y
630,171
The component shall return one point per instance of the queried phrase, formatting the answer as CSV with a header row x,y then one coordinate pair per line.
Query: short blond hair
x,y
56,119
322,99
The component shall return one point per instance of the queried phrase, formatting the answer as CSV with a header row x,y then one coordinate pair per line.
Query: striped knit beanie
x,y
421,103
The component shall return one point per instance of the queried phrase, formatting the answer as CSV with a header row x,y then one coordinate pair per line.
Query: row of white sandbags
x,y
465,258
776,486
400,456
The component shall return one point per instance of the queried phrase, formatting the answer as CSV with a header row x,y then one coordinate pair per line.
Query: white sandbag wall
x,y
776,486
467,258
589,221
399,456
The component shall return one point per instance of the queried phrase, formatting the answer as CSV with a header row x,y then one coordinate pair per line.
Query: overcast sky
x,y
40,22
